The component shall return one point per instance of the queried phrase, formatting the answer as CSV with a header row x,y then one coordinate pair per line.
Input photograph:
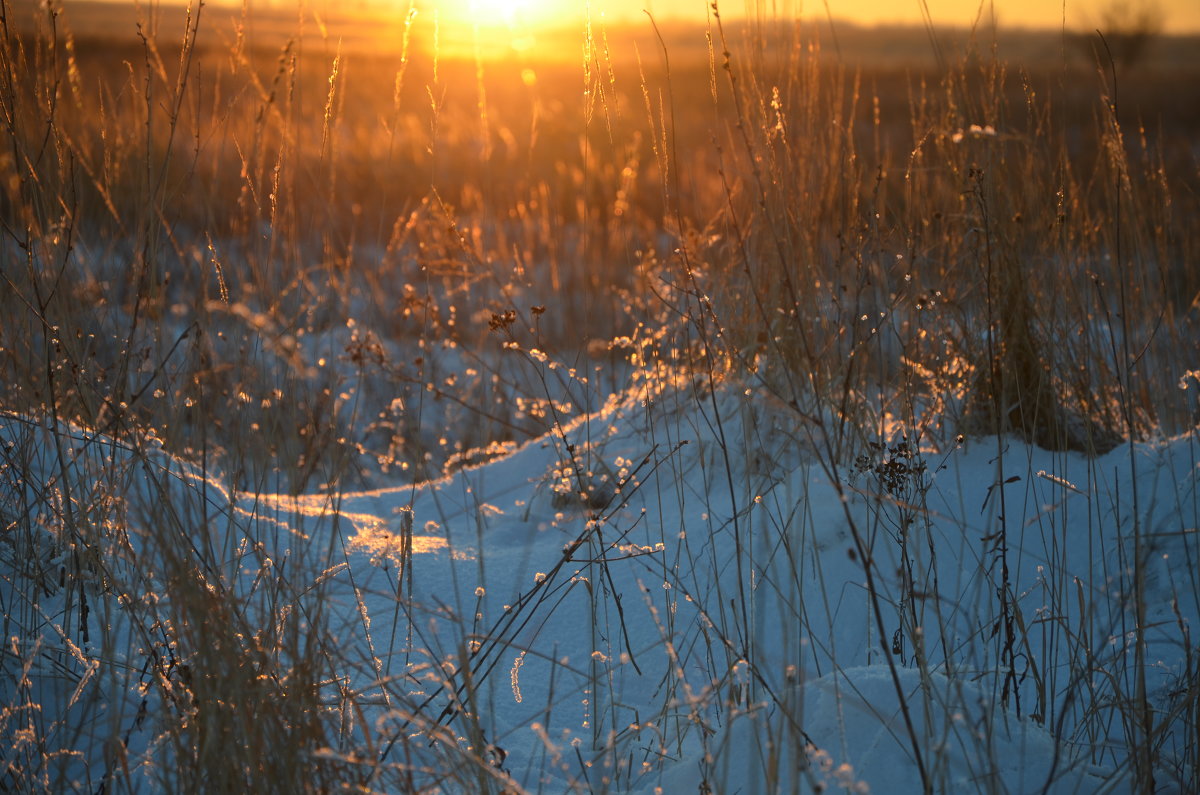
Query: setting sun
x,y
512,14
599,396
496,28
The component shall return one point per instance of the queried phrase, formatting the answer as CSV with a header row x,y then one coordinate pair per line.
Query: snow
x,y
699,616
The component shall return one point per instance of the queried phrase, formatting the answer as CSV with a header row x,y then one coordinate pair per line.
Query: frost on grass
x,y
562,603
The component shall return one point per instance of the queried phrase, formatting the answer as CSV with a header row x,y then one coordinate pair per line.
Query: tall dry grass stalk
x,y
304,269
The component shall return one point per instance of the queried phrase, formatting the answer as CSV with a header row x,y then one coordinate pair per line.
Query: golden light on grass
x,y
355,352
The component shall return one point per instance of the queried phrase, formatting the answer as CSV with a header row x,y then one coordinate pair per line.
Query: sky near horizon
x,y
1174,16
1169,16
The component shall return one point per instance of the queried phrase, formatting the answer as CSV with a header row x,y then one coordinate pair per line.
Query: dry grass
x,y
298,264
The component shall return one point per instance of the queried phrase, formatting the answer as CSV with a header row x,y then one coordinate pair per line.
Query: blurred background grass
x,y
284,220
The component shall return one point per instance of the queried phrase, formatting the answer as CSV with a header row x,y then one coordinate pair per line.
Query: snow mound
x,y
666,594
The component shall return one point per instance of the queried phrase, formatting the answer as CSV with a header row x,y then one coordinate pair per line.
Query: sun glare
x,y
511,14
498,28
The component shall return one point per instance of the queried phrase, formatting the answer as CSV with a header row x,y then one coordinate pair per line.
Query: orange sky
x,y
1177,16
1172,16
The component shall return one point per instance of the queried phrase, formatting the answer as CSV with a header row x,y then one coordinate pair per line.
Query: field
x,y
763,406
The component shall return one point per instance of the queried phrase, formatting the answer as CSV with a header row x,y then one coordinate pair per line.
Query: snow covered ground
x,y
685,589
